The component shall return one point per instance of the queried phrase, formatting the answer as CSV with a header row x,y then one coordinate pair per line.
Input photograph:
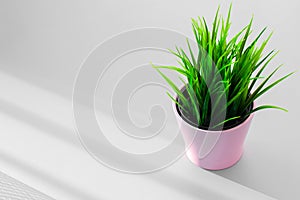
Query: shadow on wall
x,y
38,122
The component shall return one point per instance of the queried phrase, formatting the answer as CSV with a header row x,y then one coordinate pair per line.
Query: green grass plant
x,y
223,68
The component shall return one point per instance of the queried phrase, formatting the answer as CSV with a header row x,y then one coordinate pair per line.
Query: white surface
x,y
42,46
40,148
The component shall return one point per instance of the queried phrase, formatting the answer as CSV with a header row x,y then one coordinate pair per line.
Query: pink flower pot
x,y
213,150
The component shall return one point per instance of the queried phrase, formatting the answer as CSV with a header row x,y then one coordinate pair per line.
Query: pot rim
x,y
249,118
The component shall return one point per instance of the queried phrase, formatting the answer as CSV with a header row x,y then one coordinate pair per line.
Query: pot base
x,y
213,166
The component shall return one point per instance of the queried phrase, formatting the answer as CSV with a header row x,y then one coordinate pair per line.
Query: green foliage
x,y
222,69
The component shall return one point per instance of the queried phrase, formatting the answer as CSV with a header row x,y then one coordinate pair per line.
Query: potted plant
x,y
215,105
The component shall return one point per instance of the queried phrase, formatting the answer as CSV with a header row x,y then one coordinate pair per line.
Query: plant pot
x,y
213,150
